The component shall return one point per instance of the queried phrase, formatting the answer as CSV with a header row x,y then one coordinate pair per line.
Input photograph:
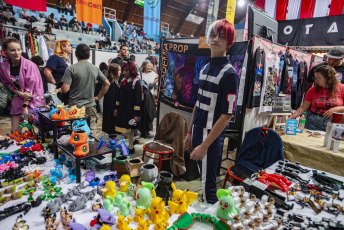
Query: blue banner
x,y
151,19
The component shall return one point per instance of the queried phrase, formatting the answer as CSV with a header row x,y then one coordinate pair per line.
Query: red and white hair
x,y
223,26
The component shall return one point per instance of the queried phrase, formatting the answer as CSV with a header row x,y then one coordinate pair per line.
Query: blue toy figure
x,y
81,125
113,144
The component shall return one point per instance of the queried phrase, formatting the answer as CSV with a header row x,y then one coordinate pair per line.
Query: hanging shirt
x,y
43,51
287,74
301,83
258,78
296,73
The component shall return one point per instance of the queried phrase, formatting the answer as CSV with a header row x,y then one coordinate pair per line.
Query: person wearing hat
x,y
334,59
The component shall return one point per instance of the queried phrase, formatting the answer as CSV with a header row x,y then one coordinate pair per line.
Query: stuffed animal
x,y
157,209
226,209
180,200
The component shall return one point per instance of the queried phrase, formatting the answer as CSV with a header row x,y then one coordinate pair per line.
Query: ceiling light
x,y
241,3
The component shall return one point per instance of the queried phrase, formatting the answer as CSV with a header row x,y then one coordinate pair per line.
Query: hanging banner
x,y
89,11
323,31
230,12
151,17
213,9
37,5
181,65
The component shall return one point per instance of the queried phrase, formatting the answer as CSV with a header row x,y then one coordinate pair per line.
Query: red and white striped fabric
x,y
281,10
260,4
270,8
293,9
336,7
321,8
307,8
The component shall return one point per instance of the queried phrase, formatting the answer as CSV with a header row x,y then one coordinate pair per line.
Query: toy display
x,y
60,114
124,183
180,200
109,189
157,209
122,223
143,224
20,224
144,195
74,112
79,139
103,217
226,209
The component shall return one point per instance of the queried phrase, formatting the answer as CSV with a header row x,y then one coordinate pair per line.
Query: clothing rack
x,y
17,29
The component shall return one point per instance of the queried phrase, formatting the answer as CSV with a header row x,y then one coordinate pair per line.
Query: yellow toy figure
x,y
74,112
161,224
157,209
180,200
144,225
109,189
122,224
105,227
139,214
124,183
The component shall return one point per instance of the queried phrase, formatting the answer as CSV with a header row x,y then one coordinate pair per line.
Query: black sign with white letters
x,y
322,31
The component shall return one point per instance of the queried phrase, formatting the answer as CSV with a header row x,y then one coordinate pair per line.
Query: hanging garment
x,y
321,8
296,73
287,74
336,7
270,8
22,40
257,80
269,82
31,44
43,51
35,45
281,10
279,80
293,9
301,83
307,8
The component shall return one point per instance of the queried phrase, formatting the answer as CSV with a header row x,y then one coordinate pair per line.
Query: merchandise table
x,y
310,152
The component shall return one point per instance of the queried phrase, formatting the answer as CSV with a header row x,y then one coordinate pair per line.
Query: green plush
x,y
226,204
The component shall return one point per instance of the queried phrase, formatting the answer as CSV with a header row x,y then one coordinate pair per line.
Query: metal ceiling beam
x,y
185,15
128,9
199,28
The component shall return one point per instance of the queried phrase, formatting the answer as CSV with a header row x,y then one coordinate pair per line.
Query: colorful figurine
x,y
139,214
144,225
124,183
51,223
109,189
78,138
124,208
82,125
144,195
131,190
274,180
60,114
122,224
180,200
66,217
161,224
20,224
105,227
108,204
157,209
226,208
74,112
92,179
76,226
103,217
119,199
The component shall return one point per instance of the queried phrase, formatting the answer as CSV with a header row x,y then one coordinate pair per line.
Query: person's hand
x,y
187,142
96,98
328,113
115,113
198,153
24,111
55,91
26,96
136,118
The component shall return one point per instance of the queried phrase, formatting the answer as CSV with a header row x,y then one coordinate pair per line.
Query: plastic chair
x,y
262,147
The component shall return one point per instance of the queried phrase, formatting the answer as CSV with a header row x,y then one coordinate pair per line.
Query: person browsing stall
x,y
322,100
214,107
80,79
122,56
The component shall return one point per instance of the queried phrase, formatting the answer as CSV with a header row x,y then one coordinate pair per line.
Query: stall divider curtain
x,y
281,10
293,9
336,7
307,8
321,8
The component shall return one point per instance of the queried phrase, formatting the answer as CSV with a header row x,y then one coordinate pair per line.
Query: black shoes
x,y
131,151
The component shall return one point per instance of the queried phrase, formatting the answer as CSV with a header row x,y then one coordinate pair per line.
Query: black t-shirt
x,y
14,72
339,70
59,66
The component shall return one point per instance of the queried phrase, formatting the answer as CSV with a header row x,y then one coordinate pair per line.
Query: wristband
x,y
189,132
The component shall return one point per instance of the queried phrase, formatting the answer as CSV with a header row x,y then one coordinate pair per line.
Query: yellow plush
x,y
180,200
109,189
124,182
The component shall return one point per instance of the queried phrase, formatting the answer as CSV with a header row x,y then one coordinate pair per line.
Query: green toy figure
x,y
226,206
144,195
124,208
131,190
119,199
108,204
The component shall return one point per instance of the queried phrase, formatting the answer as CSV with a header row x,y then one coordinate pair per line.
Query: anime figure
x,y
139,214
180,200
144,225
50,222
105,227
20,224
66,217
109,189
157,209
74,112
124,208
76,226
161,224
119,199
108,204
144,195
60,114
131,190
122,224
274,180
78,138
124,183
103,217
226,206
82,125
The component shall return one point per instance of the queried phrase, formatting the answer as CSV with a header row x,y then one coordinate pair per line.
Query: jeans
x,y
315,122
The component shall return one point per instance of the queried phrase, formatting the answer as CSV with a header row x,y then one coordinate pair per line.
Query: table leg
x,y
77,163
112,157
56,155
41,127
143,155
159,164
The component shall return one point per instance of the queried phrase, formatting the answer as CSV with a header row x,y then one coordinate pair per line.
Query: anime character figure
x,y
160,224
74,112
144,195
82,125
109,189
274,180
60,114
180,200
66,217
157,209
124,183
108,204
20,224
103,217
226,206
144,225
124,208
78,138
51,223
131,190
122,224
139,214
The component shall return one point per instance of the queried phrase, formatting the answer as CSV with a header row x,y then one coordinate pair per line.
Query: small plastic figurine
x,y
247,217
51,222
74,112
78,204
180,200
139,214
60,114
124,182
144,225
124,208
108,204
109,189
274,180
226,206
258,223
122,224
131,190
144,195
76,226
82,125
161,224
66,217
119,199
20,224
157,209
78,138
103,217
105,227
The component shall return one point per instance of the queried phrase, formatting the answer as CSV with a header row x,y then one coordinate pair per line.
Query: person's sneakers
x,y
132,151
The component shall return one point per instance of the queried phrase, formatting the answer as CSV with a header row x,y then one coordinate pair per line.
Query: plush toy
x,y
144,195
109,189
79,140
139,214
124,208
124,183
60,114
74,112
122,224
144,225
157,209
180,200
226,208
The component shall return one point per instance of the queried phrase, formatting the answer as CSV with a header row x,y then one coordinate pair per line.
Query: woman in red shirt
x,y
322,100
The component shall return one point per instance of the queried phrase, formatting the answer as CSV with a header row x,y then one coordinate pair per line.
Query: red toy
x,y
274,180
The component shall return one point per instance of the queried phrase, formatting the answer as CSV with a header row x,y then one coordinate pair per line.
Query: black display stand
x,y
69,149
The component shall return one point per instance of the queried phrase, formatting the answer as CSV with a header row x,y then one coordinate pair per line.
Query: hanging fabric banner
x,y
293,9
230,12
270,8
281,10
38,5
307,8
181,65
213,10
89,11
321,8
151,19
336,7
260,4
323,31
